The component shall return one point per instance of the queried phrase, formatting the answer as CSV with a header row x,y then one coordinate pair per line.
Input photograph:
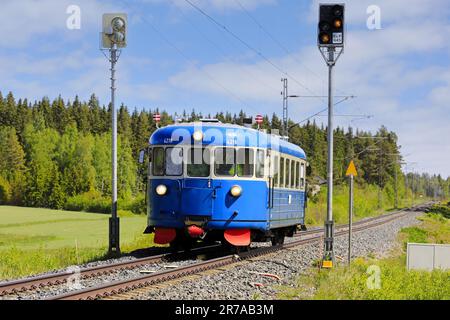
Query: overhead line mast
x,y
284,93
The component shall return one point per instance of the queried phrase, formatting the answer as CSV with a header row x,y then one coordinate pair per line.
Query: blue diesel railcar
x,y
214,181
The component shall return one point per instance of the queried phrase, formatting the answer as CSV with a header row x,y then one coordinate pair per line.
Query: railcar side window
x,y
260,164
174,161
245,162
158,161
198,162
276,171
293,163
225,162
282,173
286,179
302,176
297,175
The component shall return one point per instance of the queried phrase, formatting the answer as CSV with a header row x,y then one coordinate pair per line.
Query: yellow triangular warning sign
x,y
351,170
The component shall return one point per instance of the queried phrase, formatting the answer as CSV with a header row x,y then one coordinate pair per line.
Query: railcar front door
x,y
197,198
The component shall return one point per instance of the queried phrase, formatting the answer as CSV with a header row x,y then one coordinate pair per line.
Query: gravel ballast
x,y
256,278
259,278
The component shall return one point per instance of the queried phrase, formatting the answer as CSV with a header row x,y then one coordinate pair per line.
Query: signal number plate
x,y
337,37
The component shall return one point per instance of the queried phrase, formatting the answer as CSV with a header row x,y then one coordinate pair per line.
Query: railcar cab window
x,y
198,162
158,161
150,160
174,161
245,162
225,162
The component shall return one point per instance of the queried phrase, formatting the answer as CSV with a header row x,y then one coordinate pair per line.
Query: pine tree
x,y
12,156
60,116
96,125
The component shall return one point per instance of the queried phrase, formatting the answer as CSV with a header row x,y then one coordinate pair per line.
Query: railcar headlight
x,y
161,190
197,136
236,191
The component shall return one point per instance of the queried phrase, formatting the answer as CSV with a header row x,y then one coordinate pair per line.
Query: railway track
x,y
45,281
33,283
123,286
357,223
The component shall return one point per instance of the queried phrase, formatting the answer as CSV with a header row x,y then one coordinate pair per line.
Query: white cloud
x,y
376,66
383,68
22,21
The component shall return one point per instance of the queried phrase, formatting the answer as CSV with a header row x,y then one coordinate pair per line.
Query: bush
x,y
136,205
442,210
91,201
415,234
5,191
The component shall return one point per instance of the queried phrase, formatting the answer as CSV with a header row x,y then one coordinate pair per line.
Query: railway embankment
x,y
277,276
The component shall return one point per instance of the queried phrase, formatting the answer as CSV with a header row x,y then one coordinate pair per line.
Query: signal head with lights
x,y
114,30
331,25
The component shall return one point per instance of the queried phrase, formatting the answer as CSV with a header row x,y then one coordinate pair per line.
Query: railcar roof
x,y
222,134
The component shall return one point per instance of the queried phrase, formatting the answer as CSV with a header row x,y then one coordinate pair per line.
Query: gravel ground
x,y
246,281
84,283
129,257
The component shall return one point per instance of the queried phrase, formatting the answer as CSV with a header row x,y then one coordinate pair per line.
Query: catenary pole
x,y
114,246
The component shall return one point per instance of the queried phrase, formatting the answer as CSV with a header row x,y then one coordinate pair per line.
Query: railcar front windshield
x,y
199,160
260,165
225,162
245,162
174,161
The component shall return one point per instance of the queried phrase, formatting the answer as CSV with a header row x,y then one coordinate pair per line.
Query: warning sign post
x,y
351,172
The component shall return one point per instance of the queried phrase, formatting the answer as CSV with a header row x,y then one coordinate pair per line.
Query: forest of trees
x,y
56,154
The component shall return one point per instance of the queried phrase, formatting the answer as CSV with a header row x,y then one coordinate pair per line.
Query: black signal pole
x,y
331,46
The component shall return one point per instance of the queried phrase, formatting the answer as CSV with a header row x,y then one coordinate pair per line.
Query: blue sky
x,y
178,59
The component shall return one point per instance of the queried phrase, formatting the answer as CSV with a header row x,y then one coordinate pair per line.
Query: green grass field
x,y
36,240
396,283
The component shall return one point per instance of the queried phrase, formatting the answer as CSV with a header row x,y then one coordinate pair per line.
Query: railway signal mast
x,y
113,39
331,45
